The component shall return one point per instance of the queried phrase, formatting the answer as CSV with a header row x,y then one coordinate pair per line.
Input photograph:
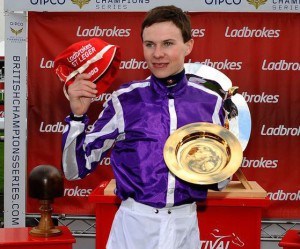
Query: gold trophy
x,y
206,153
45,183
203,153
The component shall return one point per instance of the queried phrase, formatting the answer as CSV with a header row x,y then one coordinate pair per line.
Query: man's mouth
x,y
159,65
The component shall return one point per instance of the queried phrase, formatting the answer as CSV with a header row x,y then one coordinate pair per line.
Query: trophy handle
x,y
239,173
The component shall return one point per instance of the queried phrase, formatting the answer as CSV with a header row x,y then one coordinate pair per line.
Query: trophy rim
x,y
204,133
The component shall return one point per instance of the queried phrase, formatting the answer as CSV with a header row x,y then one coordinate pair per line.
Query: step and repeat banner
x,y
258,52
255,43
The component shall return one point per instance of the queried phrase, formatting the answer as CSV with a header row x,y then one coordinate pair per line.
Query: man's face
x,y
164,49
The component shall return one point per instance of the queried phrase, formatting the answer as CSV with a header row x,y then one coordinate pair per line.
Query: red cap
x,y
95,57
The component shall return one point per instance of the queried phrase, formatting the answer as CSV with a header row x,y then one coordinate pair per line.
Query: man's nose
x,y
158,52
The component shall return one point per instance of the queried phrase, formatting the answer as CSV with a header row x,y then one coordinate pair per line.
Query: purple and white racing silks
x,y
136,122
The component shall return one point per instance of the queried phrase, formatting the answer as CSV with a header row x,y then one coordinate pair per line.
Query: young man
x,y
158,210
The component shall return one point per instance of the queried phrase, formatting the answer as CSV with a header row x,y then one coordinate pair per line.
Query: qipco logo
x,y
16,24
222,2
47,2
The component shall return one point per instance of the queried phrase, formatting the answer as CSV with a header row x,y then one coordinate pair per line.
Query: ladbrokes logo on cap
x,y
80,3
257,3
94,57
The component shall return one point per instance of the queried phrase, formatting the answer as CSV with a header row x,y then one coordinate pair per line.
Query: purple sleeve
x,y
82,149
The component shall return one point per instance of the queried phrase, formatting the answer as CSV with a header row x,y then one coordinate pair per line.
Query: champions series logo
x,y
257,3
277,5
17,33
97,4
80,3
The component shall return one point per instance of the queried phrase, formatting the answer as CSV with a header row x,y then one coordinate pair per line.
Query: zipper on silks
x,y
171,176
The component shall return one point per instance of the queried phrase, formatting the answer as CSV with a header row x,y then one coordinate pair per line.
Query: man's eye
x,y
149,45
168,44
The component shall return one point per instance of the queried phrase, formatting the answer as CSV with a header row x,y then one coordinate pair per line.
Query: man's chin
x,y
161,73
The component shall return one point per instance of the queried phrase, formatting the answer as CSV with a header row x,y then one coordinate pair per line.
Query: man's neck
x,y
172,80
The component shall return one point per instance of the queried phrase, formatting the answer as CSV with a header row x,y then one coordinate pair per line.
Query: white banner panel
x,y
144,5
15,119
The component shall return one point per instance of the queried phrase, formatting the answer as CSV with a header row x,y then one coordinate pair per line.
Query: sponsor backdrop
x,y
256,43
259,52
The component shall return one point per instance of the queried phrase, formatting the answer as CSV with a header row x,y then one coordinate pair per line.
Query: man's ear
x,y
189,46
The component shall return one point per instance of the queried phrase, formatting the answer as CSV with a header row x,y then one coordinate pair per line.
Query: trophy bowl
x,y
203,153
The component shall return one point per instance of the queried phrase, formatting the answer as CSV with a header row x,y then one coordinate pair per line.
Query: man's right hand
x,y
81,92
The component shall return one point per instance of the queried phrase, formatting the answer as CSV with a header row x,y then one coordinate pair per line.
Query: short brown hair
x,y
169,14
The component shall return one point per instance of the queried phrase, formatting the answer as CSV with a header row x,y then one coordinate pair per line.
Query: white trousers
x,y
138,226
